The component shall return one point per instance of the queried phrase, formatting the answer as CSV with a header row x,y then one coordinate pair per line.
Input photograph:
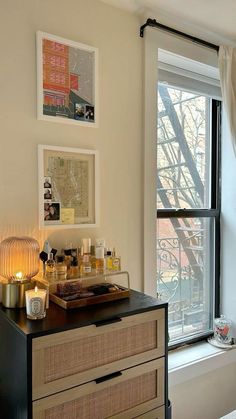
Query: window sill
x,y
193,361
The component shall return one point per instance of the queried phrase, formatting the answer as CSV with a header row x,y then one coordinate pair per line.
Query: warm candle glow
x,y
18,275
36,303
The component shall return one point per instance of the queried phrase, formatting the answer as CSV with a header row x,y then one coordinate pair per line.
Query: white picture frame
x,y
67,81
74,191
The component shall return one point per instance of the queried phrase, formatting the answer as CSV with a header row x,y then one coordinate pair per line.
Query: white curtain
x,y
227,67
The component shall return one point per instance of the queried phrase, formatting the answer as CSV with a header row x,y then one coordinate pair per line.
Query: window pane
x,y
183,149
184,277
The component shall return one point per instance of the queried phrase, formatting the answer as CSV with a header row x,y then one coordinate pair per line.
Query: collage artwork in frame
x,y
68,187
66,81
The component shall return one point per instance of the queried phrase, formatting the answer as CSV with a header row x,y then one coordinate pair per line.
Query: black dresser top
x,y
58,319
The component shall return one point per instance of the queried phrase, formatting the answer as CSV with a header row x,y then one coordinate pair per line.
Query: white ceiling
x,y
217,16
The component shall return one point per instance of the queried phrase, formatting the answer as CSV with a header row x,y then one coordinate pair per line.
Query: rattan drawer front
x,y
136,391
153,414
67,359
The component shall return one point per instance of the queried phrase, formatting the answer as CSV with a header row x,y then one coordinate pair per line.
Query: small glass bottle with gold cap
x,y
116,265
50,268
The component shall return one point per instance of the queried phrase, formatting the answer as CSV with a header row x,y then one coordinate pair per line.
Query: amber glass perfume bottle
x,y
50,268
61,268
74,268
100,261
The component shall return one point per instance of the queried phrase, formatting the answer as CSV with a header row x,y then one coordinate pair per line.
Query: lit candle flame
x,y
19,275
36,289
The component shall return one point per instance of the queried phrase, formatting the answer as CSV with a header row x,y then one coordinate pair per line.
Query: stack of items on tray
x,y
70,291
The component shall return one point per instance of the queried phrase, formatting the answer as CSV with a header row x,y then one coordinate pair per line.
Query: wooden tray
x,y
96,299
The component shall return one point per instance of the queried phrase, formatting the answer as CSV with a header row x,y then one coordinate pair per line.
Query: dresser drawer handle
x,y
108,377
108,321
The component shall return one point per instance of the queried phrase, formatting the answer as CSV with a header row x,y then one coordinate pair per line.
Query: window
x,y
188,206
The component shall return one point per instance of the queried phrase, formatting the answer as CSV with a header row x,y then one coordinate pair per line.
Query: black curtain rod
x,y
155,24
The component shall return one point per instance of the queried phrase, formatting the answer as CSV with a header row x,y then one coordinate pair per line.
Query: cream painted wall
x,y
118,138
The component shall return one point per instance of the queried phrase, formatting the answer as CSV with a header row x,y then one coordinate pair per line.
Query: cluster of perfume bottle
x,y
83,261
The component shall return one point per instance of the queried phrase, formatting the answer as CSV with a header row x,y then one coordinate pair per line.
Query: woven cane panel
x,y
110,401
83,354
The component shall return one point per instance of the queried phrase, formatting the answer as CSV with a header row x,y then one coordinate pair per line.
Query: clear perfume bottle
x,y
86,267
50,268
80,256
108,261
68,259
116,265
93,258
86,244
61,268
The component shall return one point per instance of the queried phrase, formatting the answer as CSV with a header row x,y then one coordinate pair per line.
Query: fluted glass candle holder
x,y
19,262
19,258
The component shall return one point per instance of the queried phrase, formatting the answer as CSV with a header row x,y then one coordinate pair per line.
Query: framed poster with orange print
x,y
67,81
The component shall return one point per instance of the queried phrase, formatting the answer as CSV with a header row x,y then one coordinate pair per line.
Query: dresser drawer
x,y
67,359
153,414
126,395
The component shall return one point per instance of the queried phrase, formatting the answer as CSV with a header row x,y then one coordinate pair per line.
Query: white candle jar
x,y
36,303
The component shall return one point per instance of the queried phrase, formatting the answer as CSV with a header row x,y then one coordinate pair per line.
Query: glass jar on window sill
x,y
222,330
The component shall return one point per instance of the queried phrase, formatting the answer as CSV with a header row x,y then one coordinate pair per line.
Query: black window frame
x,y
213,212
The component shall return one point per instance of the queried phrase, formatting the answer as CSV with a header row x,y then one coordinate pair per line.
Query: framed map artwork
x,y
68,187
67,85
